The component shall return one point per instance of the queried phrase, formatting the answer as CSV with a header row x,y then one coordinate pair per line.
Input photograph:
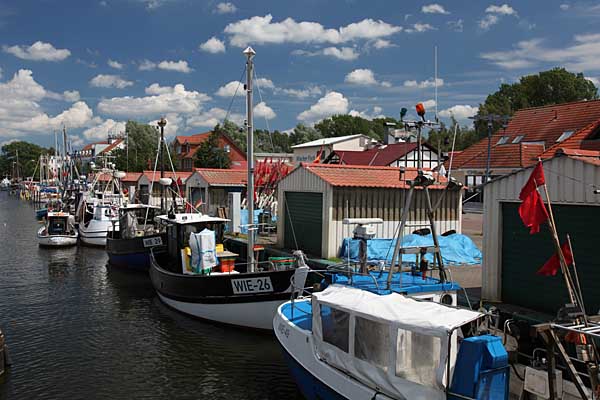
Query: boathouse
x,y
314,199
511,256
209,187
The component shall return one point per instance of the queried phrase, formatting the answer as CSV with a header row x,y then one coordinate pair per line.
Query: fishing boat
x,y
102,218
58,231
5,184
129,247
243,294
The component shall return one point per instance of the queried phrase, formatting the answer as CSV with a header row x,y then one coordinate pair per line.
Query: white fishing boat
x,y
58,231
103,220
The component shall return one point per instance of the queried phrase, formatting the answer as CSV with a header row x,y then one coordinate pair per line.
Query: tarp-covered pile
x,y
456,249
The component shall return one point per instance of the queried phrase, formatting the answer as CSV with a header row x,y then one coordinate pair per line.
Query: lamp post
x,y
162,123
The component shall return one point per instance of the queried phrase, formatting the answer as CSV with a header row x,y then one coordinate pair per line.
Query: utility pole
x,y
127,149
490,119
161,123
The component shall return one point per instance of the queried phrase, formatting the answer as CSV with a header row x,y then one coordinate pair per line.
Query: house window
x,y
503,140
565,135
518,139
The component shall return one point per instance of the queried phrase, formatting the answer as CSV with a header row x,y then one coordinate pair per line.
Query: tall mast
x,y
161,123
250,53
435,81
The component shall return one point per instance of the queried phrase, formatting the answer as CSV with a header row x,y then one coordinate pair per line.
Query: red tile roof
x,y
511,155
168,174
195,139
131,177
582,139
90,146
366,176
223,177
589,160
239,165
111,146
541,124
378,156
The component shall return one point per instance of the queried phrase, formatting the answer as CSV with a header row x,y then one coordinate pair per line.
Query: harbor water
x,y
79,329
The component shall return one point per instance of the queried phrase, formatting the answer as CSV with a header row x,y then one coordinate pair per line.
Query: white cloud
x,y
504,9
233,88
101,131
265,83
428,103
155,88
110,81
179,66
382,44
262,110
428,83
212,117
434,9
582,55
115,64
493,15
366,114
460,112
361,76
39,51
147,65
22,114
419,28
225,8
301,93
456,26
565,7
343,53
71,95
175,100
213,45
261,30
330,104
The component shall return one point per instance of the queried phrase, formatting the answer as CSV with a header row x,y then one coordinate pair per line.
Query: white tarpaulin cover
x,y
427,317
392,343
204,256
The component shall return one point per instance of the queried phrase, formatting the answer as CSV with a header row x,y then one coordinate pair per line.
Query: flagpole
x,y
561,256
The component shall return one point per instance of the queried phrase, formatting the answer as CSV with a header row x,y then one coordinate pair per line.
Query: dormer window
x,y
565,135
503,140
518,139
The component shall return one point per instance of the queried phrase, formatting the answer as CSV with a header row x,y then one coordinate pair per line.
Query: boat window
x,y
336,327
57,227
372,342
417,357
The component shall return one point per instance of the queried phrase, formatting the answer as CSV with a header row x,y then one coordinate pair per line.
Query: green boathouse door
x,y
523,254
304,218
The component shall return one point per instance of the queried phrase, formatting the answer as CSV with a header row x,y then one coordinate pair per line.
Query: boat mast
x,y
161,123
250,53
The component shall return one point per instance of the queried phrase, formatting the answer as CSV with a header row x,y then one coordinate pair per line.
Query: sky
x,y
91,65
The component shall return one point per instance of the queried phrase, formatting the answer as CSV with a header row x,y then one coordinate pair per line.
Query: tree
x,y
303,134
143,146
210,154
28,159
443,136
554,86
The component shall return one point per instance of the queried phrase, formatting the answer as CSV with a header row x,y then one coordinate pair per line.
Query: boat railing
x,y
271,265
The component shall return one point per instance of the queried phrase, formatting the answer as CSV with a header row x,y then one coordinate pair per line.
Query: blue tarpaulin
x,y
456,249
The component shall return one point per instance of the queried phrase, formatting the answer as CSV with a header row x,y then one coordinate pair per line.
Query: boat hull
x,y
96,232
133,253
212,297
56,240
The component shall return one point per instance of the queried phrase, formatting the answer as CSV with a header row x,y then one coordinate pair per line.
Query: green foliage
x,y
210,155
28,159
554,86
442,138
143,143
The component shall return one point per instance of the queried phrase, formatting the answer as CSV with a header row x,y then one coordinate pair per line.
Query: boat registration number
x,y
153,241
252,285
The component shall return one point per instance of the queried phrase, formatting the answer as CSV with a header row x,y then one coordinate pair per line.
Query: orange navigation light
x,y
420,110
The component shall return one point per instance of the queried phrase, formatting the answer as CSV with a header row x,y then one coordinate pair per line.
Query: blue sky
x,y
93,64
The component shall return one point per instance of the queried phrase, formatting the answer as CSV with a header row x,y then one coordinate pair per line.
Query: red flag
x,y
532,210
553,264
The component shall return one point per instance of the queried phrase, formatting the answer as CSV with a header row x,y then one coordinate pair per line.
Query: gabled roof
x,y
168,174
511,155
327,141
111,146
131,177
366,176
378,156
223,177
194,139
90,146
543,125
579,140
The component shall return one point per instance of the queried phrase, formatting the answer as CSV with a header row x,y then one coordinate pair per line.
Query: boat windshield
x,y
57,226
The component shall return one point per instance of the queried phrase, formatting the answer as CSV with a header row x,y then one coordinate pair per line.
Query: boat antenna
x,y
435,80
250,53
